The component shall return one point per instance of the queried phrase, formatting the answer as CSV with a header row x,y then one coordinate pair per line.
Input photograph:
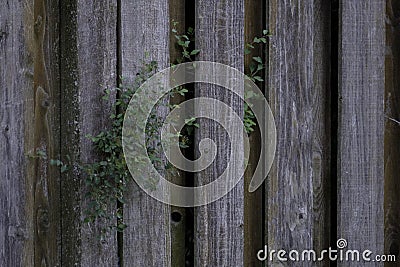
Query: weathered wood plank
x,y
298,78
16,122
144,28
45,177
253,208
321,155
70,182
52,61
97,57
31,42
392,131
178,214
361,126
219,233
89,50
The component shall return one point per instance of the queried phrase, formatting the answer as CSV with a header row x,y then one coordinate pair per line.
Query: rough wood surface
x,y
30,118
97,65
179,220
58,56
219,233
253,208
52,59
144,28
361,126
297,204
89,63
321,147
392,130
46,177
70,196
16,122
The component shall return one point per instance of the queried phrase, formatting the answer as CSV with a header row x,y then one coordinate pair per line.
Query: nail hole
x,y
301,216
176,216
45,104
7,128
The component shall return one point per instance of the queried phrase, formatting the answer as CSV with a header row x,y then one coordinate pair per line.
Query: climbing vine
x,y
106,179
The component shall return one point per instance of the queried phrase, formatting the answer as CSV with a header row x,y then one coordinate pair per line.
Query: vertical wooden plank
x,y
30,101
89,67
45,177
97,70
253,210
144,28
392,131
178,214
361,126
52,61
321,146
219,233
16,122
70,182
298,77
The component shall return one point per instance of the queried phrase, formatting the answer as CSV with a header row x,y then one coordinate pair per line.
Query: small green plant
x,y
184,44
106,179
187,54
253,72
56,162
41,154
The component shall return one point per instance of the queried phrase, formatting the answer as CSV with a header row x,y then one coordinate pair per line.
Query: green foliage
x,y
106,179
253,72
41,154
56,162
187,54
183,42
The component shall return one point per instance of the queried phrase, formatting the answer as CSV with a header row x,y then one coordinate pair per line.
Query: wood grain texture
x,y
144,28
52,59
89,58
46,193
97,70
16,122
392,130
29,45
321,155
178,226
253,208
70,181
297,203
361,126
219,229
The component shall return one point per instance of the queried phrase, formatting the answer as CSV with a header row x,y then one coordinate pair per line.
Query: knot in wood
x,y
38,23
45,103
43,222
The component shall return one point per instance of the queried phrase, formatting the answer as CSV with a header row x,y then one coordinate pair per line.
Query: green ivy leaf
x,y
64,168
258,59
258,78
194,52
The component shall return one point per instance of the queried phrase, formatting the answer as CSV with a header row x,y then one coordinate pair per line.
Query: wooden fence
x,y
332,81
